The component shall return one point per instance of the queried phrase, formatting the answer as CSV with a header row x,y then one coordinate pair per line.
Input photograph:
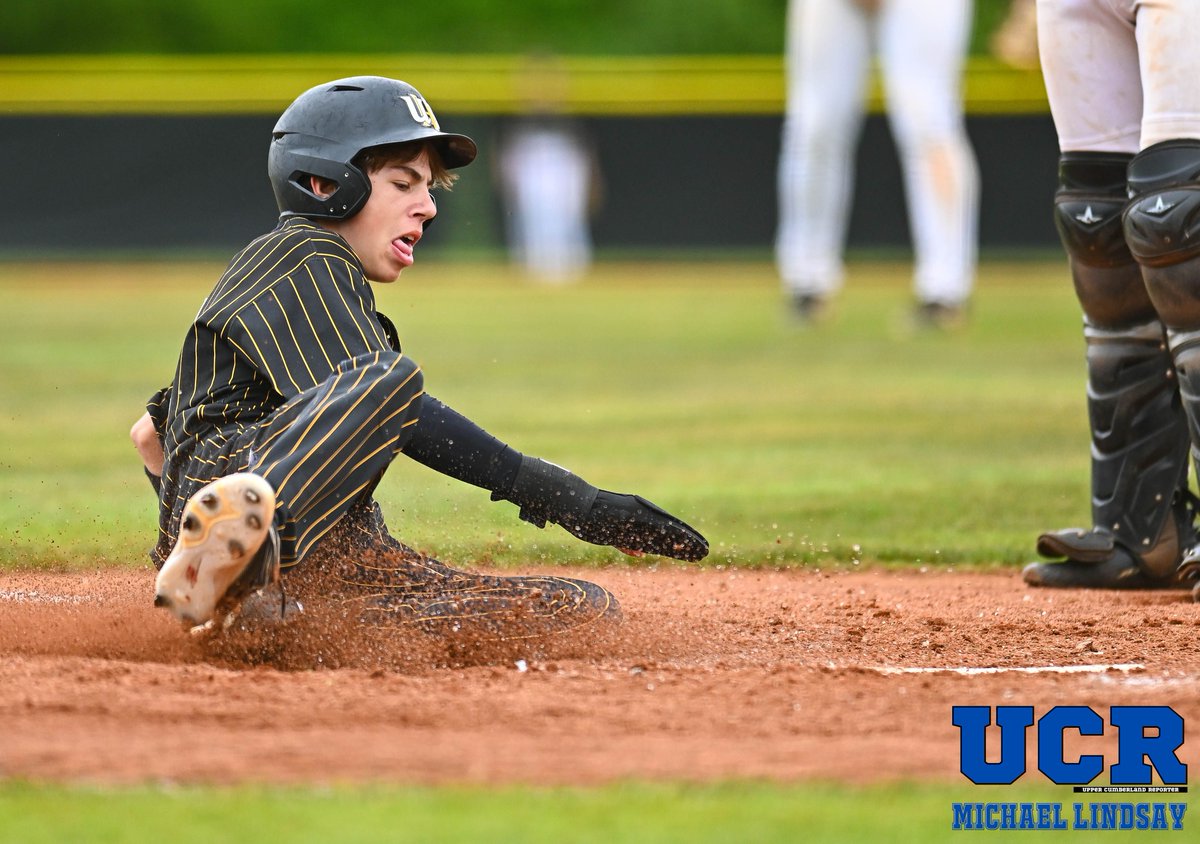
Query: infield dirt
x,y
787,675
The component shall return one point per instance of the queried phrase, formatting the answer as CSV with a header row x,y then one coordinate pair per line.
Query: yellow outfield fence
x,y
472,84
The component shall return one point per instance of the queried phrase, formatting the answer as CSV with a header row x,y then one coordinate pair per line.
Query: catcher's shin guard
x,y
1162,227
1141,509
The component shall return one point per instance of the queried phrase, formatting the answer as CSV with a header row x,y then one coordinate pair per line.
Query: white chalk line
x,y
1011,669
22,596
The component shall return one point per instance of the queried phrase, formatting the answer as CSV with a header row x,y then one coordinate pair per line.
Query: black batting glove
x,y
546,492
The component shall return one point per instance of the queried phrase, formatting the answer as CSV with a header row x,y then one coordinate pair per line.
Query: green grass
x,y
857,441
626,813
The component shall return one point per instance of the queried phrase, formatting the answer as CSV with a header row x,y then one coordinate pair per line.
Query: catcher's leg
x,y
1141,509
1162,226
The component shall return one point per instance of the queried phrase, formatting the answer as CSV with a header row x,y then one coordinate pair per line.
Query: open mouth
x,y
404,248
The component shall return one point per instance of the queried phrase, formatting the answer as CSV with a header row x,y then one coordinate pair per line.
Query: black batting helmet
x,y
327,126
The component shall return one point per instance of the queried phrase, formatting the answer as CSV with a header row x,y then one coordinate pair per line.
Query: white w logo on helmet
x,y
420,111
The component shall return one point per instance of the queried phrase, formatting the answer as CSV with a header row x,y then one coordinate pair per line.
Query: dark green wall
x,y
149,184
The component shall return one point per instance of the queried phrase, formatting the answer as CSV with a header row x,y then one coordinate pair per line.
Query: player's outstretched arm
x,y
448,442
546,492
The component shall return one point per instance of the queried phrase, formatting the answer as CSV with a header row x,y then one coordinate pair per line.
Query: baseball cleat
x,y
223,544
939,316
809,308
1189,571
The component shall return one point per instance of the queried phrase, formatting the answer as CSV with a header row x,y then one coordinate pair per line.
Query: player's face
x,y
389,225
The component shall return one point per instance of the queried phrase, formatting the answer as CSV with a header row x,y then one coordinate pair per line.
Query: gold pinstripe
x,y
303,464
321,528
325,306
329,473
258,354
328,470
321,525
232,373
315,418
366,457
345,304
271,373
212,382
349,436
292,282
195,340
239,297
283,314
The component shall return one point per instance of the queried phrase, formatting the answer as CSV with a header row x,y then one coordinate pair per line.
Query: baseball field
x,y
869,493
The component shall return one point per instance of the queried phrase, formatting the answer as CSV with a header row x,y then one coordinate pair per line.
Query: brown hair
x,y
373,159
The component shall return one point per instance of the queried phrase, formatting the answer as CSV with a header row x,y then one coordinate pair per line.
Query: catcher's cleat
x,y
1189,571
1099,559
1095,560
227,548
1120,570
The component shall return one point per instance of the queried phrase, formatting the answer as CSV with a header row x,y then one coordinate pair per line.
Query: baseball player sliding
x,y
292,397
1121,78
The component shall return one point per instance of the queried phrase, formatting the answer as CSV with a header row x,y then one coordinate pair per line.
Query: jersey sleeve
x,y
157,406
296,331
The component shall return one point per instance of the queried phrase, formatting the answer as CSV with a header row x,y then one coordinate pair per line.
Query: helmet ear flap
x,y
353,188
302,184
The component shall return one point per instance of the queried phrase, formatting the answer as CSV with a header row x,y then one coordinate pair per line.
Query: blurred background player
x,y
291,398
921,45
1014,41
1121,76
549,178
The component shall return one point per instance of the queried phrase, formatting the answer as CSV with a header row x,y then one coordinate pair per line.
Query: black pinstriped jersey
x,y
289,308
